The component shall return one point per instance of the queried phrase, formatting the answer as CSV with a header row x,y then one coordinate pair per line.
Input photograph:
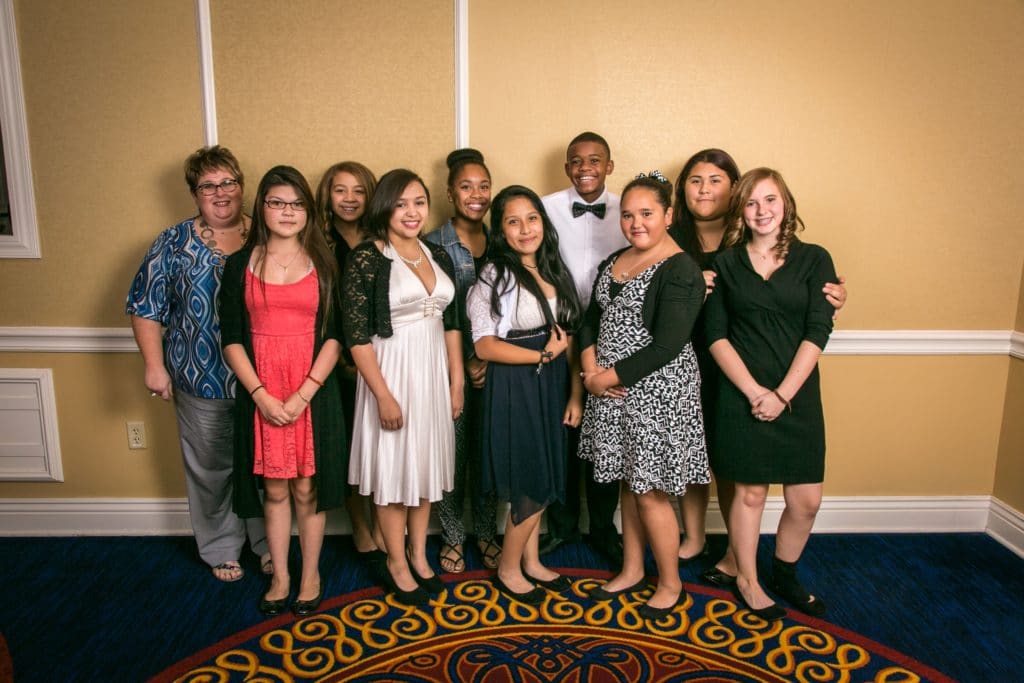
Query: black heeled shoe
x,y
601,594
414,598
301,608
654,613
535,596
431,584
559,584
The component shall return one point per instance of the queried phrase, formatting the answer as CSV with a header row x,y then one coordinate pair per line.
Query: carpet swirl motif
x,y
471,632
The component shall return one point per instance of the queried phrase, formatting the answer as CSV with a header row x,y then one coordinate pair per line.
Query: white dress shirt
x,y
585,241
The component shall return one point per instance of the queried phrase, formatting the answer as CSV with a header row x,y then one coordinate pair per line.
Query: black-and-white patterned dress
x,y
654,437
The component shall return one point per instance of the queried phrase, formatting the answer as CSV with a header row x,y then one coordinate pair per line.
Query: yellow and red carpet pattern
x,y
471,632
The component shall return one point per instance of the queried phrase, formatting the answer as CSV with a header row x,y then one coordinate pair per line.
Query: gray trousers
x,y
206,428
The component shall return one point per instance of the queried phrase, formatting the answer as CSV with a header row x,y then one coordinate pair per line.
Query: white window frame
x,y
24,242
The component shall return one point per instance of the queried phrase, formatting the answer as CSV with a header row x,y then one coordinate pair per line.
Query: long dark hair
x,y
684,228
549,264
311,238
386,197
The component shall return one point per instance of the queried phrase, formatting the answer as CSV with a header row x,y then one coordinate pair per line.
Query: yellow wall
x,y
897,126
1009,474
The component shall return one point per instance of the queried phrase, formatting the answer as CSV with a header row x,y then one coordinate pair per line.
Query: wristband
x,y
315,381
788,405
258,387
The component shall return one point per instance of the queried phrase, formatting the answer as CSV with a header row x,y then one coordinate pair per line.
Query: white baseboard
x,y
839,514
1006,525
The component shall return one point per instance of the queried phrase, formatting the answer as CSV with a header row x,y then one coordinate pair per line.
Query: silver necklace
x,y
284,266
412,263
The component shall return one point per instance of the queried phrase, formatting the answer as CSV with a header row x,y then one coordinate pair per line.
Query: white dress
x,y
417,461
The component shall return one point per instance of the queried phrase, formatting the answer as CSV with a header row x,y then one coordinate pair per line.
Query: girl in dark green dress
x,y
767,322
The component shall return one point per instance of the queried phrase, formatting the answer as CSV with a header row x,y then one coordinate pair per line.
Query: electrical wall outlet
x,y
136,435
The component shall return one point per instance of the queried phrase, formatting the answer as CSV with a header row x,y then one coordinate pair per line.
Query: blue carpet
x,y
85,609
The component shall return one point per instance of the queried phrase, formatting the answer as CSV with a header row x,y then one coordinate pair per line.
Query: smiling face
x,y
223,208
765,209
707,189
410,213
523,226
587,164
287,221
644,221
348,197
471,192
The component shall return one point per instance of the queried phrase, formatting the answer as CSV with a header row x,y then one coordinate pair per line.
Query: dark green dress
x,y
766,321
329,444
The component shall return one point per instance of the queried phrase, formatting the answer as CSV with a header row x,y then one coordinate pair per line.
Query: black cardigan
x,y
366,311
329,443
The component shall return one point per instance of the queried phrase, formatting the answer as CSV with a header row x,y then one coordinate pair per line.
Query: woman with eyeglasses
x,y
171,304
278,306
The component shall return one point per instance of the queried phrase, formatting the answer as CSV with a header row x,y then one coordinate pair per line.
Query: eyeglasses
x,y
278,204
210,189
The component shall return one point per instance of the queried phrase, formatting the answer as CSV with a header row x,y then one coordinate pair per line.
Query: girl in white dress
x,y
401,324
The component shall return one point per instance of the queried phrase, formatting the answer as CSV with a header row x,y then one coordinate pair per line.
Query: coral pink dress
x,y
283,321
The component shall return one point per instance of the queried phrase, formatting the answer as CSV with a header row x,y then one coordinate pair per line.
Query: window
x,y
19,233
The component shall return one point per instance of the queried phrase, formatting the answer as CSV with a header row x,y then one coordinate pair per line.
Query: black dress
x,y
766,321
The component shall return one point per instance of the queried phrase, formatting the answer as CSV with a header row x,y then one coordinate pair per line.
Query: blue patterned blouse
x,y
177,286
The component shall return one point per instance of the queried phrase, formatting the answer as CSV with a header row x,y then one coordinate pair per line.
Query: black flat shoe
x,y
654,613
770,613
301,608
716,577
559,584
797,596
600,594
701,556
271,608
531,597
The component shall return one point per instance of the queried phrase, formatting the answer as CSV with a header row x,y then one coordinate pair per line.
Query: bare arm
x,y
322,365
270,406
773,403
456,373
491,348
387,407
149,335
574,408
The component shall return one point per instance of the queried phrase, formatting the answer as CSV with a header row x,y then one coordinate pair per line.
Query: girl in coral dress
x,y
278,305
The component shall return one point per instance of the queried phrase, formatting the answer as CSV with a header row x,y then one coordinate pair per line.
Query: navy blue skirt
x,y
524,441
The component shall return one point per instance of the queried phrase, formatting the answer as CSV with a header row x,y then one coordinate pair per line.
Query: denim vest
x,y
465,269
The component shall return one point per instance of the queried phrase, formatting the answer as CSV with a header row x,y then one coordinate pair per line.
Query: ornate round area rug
x,y
472,632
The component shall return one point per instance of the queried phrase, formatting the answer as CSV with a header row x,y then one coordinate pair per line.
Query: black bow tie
x,y
579,208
